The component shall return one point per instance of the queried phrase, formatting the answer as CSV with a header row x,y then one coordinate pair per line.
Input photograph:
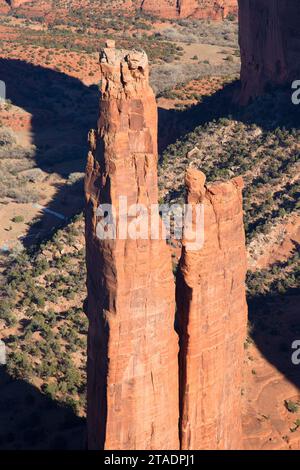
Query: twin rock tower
x,y
164,358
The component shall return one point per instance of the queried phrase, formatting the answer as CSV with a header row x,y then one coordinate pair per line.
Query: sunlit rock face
x,y
156,381
213,9
212,318
132,345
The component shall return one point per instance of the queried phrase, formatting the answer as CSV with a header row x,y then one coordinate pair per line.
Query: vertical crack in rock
x,y
211,319
132,344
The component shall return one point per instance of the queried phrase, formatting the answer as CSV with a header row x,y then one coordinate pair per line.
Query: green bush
x,y
18,219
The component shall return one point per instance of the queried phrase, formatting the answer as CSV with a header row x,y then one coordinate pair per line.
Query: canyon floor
x,y
49,63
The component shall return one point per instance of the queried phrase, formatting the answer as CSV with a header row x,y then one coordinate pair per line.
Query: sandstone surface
x,y
214,9
212,316
201,9
132,344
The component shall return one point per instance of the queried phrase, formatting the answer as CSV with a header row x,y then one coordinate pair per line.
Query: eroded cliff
x,y
202,9
212,316
132,345
190,8
214,9
139,387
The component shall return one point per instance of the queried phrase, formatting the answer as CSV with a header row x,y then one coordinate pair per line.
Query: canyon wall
x,y
269,38
214,9
212,317
171,9
162,9
132,344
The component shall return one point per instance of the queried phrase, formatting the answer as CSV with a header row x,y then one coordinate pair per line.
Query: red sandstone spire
x,y
134,399
212,316
132,345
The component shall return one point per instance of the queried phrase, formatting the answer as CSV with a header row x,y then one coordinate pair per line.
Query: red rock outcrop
x,y
202,9
132,344
4,7
269,38
162,9
212,316
214,9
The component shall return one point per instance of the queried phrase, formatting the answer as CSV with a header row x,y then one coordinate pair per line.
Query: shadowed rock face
x,y
190,8
212,316
270,44
132,344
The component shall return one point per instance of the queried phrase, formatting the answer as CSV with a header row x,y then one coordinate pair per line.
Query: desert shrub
x,y
6,312
7,137
17,219
19,365
291,406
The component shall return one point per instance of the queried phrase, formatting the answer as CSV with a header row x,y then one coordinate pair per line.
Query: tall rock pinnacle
x,y
212,316
138,397
132,344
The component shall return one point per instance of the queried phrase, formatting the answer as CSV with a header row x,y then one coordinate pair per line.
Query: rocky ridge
x,y
212,318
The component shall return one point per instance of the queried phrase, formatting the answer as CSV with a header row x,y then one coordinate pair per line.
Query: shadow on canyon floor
x,y
274,326
273,110
63,109
31,420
